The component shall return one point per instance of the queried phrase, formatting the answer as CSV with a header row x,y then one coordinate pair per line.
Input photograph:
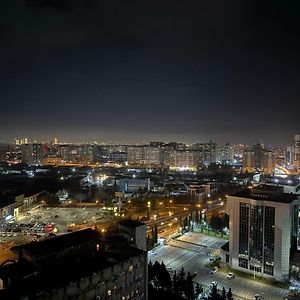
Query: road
x,y
192,252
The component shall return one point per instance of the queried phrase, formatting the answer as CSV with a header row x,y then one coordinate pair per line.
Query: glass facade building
x,y
264,227
256,238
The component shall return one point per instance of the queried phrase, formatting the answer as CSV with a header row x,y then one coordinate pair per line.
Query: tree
x,y
185,222
214,293
229,294
197,218
164,276
198,290
150,271
181,280
175,283
223,295
156,269
189,287
213,222
155,234
216,223
225,221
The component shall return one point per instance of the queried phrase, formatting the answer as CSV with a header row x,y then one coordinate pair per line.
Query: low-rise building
x,y
79,265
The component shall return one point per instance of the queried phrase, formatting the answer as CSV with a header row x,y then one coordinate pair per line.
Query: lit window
x,y
109,293
130,269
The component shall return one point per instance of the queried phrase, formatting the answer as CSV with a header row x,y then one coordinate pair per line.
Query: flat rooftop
x,y
131,223
59,243
267,193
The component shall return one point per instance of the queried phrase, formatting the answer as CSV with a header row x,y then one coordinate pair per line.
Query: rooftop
x,y
131,223
267,193
59,243
45,276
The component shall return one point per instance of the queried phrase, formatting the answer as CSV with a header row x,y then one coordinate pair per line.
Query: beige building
x,y
248,161
268,164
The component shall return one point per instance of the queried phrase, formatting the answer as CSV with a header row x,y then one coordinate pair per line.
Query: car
x,y
230,276
258,297
214,270
152,252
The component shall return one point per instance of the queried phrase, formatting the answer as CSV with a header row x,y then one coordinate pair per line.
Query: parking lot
x,y
40,222
191,252
66,217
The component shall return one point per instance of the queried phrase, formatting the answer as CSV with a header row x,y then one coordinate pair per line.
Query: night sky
x,y
84,70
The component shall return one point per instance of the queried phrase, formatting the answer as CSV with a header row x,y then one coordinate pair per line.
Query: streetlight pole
x,y
149,209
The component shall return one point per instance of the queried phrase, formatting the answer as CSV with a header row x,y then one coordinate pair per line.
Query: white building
x,y
263,222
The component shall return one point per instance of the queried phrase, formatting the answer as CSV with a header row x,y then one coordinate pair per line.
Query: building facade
x,y
262,228
297,152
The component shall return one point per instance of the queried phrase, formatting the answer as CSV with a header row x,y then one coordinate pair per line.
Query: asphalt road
x,y
192,252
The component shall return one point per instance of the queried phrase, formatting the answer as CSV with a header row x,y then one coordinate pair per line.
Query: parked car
x,y
230,276
214,270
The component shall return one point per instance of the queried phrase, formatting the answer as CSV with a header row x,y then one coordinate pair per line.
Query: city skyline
x,y
116,70
143,140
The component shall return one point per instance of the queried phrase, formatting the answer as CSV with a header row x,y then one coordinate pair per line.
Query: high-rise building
x,y
289,156
145,155
208,152
248,160
268,163
238,151
297,152
185,160
152,155
135,155
258,151
119,157
32,154
227,154
263,224
63,152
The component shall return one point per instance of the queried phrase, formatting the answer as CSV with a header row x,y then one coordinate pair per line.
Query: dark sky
x,y
150,70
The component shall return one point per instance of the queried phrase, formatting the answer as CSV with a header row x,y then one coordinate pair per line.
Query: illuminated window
x,y
130,269
109,293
